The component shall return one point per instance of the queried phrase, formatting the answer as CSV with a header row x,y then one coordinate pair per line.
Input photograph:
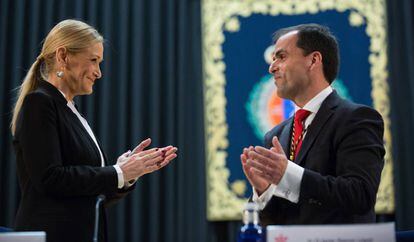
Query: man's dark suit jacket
x,y
59,170
342,154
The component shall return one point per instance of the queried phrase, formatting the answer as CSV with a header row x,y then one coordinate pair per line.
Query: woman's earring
x,y
59,74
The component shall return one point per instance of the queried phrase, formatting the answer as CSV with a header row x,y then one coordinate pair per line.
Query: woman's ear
x,y
62,56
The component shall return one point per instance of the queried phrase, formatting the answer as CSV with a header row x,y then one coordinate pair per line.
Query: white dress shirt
x,y
85,124
289,186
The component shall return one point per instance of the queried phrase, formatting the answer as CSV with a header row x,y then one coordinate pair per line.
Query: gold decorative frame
x,y
222,15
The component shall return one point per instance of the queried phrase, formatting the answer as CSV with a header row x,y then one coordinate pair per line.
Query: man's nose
x,y
272,67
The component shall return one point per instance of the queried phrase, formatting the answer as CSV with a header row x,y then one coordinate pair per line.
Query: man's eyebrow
x,y
279,52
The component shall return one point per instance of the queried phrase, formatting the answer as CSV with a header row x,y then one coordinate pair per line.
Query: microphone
x,y
99,200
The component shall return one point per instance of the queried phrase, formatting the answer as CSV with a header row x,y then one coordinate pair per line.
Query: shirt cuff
x,y
120,176
289,186
265,197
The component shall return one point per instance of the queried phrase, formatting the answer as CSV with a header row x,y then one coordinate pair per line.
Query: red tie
x,y
298,132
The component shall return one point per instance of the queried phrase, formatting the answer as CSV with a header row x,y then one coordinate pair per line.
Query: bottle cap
x,y
251,206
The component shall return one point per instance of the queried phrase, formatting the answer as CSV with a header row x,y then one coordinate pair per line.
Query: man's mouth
x,y
277,76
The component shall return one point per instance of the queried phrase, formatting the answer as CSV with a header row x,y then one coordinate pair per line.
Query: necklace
x,y
293,144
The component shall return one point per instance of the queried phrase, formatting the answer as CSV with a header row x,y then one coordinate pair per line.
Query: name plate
x,y
23,237
381,232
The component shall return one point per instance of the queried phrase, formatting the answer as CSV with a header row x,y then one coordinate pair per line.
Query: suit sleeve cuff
x,y
289,186
120,175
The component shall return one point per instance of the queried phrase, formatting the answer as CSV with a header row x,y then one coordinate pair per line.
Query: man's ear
x,y
316,59
62,56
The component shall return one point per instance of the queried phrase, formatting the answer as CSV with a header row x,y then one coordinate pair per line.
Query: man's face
x,y
289,67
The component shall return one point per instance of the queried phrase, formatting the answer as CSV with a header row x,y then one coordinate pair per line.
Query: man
x,y
324,164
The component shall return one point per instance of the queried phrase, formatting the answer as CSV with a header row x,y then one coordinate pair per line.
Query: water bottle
x,y
251,230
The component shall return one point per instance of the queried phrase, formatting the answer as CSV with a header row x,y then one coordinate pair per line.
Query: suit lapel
x,y
57,95
85,134
322,116
285,137
103,153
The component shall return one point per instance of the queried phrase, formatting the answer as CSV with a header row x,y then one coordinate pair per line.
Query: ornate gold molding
x,y
222,15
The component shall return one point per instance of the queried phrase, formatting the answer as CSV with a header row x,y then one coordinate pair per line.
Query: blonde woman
x,y
61,166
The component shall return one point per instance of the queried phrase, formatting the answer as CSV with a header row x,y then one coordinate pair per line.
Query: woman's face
x,y
82,69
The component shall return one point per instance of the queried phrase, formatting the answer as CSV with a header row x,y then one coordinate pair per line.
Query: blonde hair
x,y
75,36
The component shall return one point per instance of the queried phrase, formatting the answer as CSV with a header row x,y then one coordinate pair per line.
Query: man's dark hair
x,y
315,37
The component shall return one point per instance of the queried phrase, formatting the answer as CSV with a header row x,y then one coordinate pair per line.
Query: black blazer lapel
x,y
322,116
285,137
92,144
103,153
55,94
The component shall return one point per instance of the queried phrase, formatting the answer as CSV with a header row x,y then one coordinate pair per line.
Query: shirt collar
x,y
69,102
315,103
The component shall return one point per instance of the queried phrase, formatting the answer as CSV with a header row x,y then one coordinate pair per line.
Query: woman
x,y
61,167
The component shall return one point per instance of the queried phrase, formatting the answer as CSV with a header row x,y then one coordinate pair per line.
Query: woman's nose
x,y
98,73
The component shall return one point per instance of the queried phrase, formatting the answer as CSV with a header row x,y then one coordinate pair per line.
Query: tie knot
x,y
301,115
